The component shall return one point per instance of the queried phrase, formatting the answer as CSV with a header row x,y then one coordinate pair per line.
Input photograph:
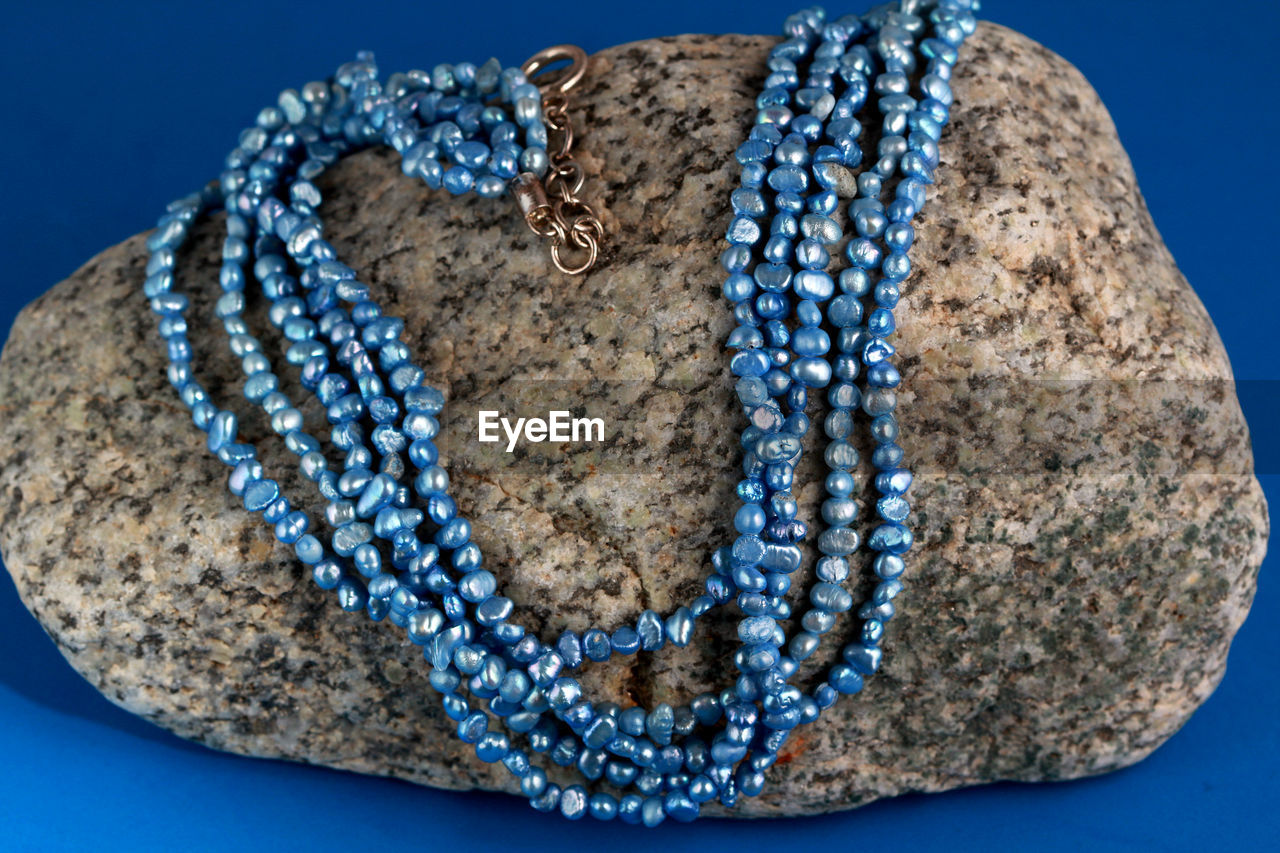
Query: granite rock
x,y
1090,527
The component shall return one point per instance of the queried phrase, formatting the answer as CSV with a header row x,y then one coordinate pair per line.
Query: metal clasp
x,y
563,79
552,207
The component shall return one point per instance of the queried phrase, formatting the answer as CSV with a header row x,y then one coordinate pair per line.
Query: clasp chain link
x,y
552,207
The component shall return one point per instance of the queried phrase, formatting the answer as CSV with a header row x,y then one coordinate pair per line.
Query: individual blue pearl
x,y
891,537
376,495
327,574
753,175
812,255
592,762
876,351
838,541
878,401
788,178
459,180
821,228
366,559
222,430
831,597
845,311
424,624
629,808
260,494
351,596
441,508
756,629
621,774
749,363
883,375
932,85
884,428
886,591
382,585
477,586
453,534
866,660
625,641
739,287
595,644
743,231
880,322
775,276
811,372
652,811
839,512
845,679
545,668
855,282
569,647
600,732
563,693
624,746
534,782
896,266
493,610
839,484
807,311
492,746
814,284
339,513
349,537
650,631
927,149
802,645
679,805
679,627
603,806
749,519
893,482
773,448
914,165
745,337
781,558
887,294
748,203
752,151
887,566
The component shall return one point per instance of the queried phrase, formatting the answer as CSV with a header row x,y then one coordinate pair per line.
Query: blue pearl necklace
x,y
395,544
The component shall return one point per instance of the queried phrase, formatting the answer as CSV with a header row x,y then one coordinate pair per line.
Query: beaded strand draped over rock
x,y
468,128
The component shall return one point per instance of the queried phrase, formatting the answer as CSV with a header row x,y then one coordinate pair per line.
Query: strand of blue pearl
x,y
258,387
561,742
369,567
891,538
328,569
256,480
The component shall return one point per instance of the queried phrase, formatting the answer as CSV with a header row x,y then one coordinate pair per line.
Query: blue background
x,y
110,112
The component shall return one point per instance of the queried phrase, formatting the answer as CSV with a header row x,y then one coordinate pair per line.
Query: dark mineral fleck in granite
x,y
1090,527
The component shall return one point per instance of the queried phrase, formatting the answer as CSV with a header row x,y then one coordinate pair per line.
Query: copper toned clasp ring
x,y
561,79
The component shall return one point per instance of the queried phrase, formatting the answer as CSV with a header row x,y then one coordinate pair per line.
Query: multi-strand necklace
x,y
394,543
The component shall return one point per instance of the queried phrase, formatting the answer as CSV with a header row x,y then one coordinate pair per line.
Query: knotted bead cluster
x,y
394,543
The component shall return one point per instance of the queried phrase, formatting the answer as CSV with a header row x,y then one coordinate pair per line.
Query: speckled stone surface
x,y
1089,522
